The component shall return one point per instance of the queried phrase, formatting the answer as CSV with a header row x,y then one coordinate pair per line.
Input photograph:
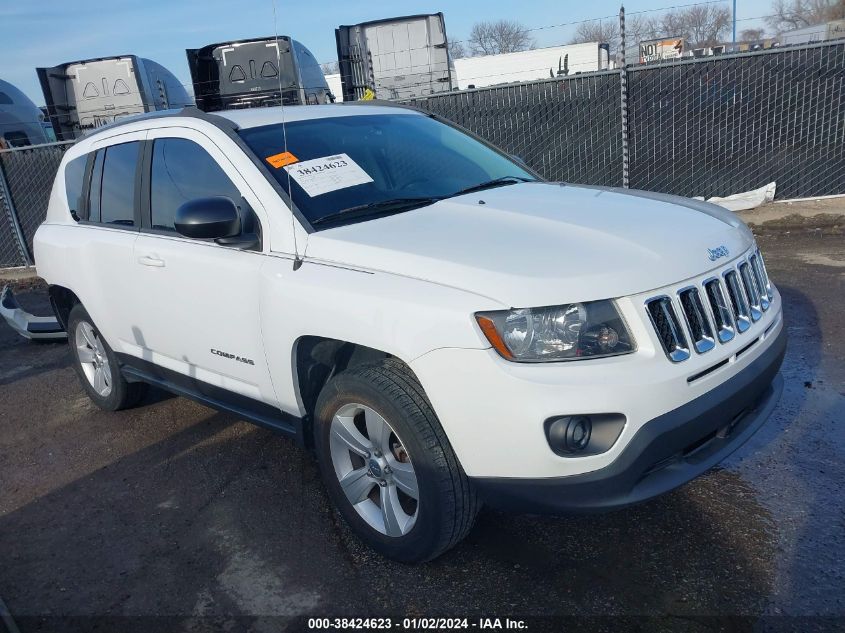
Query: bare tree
x,y
503,36
636,30
598,31
457,49
699,25
752,35
330,68
795,14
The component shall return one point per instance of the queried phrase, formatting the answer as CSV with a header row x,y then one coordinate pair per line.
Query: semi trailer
x,y
394,58
254,73
87,94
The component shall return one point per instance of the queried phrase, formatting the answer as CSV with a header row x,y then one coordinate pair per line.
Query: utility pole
x,y
734,29
623,82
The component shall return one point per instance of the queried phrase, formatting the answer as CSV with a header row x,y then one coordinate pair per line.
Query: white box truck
x,y
538,63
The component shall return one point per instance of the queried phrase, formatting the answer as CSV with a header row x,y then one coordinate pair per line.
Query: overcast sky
x,y
51,32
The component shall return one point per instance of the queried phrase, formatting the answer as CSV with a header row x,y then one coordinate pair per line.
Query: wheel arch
x,y
316,359
62,300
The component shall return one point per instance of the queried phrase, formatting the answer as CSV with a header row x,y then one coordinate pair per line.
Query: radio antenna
x,y
297,260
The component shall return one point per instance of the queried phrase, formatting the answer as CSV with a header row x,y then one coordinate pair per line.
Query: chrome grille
x,y
751,292
763,286
720,309
698,323
668,328
739,303
722,314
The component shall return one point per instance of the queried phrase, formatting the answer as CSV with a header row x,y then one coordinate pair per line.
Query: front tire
x,y
388,465
97,366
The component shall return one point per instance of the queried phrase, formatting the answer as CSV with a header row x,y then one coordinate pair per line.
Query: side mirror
x,y
208,218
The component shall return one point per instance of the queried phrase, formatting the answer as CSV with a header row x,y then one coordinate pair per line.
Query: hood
x,y
536,244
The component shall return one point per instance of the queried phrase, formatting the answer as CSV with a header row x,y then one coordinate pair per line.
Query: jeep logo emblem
x,y
716,253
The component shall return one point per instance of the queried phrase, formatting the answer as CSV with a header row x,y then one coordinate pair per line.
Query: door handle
x,y
146,260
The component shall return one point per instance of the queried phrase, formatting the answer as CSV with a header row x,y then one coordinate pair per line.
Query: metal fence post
x,y
9,205
623,82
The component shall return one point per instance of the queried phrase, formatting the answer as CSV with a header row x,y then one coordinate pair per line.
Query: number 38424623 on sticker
x,y
330,173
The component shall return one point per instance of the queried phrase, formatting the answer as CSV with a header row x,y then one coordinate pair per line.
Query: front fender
x,y
401,316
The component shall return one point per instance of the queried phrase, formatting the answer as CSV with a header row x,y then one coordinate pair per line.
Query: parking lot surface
x,y
174,510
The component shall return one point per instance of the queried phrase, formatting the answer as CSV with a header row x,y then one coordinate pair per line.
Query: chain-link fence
x,y
11,240
708,127
697,127
26,179
566,129
721,125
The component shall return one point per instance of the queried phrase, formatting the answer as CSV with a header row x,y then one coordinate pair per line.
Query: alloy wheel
x,y
374,469
93,358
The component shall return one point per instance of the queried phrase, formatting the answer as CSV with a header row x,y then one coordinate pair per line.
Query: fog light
x,y
582,435
570,434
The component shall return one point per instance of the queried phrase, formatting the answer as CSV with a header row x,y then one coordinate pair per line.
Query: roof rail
x,y
188,111
383,102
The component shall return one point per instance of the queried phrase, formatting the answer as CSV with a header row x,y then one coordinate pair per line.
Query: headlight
x,y
568,332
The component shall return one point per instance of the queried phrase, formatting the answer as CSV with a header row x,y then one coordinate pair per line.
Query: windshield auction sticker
x,y
323,175
280,160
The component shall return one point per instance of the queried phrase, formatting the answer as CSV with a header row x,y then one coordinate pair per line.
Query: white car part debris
x,y
745,200
26,324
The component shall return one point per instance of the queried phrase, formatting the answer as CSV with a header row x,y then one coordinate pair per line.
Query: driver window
x,y
181,171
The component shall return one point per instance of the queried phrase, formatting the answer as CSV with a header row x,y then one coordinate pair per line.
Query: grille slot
x,y
722,314
739,304
759,274
746,348
707,371
751,291
764,275
699,326
668,328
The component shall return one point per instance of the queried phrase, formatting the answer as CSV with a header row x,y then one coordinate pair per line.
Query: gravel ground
x,y
176,511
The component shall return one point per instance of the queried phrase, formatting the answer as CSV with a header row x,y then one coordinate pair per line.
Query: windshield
x,y
365,161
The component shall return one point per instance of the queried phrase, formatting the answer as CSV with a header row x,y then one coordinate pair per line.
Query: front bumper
x,y
664,453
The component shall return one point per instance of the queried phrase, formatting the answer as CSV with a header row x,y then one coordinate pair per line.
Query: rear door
x,y
196,301
109,223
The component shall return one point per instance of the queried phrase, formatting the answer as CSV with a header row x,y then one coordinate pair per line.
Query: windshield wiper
x,y
489,184
394,205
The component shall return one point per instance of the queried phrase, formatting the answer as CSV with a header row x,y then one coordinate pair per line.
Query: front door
x,y
197,301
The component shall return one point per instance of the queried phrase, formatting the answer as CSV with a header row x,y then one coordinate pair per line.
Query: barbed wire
x,y
560,25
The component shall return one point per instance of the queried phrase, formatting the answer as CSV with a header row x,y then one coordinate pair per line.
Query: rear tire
x,y
97,366
376,431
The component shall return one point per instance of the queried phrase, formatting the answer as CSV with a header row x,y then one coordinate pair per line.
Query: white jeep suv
x,y
439,324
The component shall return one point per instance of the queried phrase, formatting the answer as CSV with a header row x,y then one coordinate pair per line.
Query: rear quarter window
x,y
74,182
